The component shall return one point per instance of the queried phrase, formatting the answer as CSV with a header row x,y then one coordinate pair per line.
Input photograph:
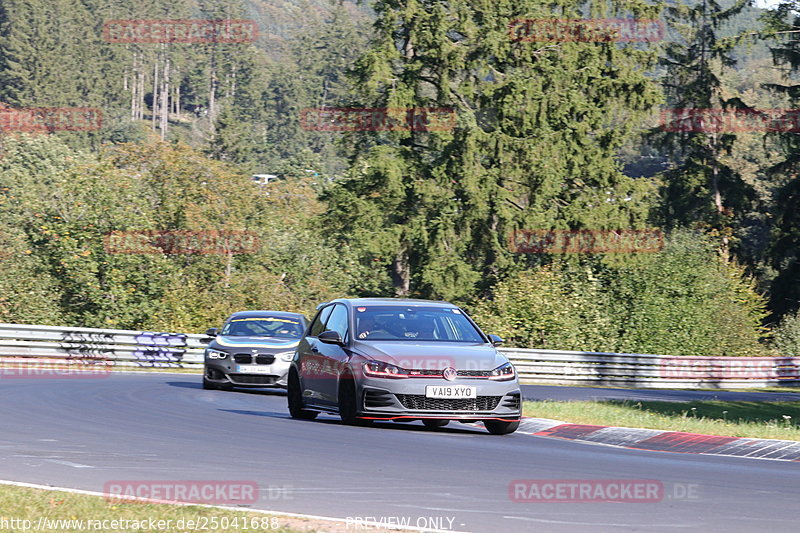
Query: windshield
x,y
287,328
427,324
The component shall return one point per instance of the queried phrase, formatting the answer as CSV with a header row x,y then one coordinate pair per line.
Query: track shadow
x,y
185,384
266,392
268,414
453,428
199,385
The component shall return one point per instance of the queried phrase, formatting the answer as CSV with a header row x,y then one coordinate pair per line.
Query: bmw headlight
x,y
378,369
215,354
503,373
285,356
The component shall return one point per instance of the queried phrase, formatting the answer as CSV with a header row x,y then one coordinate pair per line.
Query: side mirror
x,y
330,337
212,332
496,340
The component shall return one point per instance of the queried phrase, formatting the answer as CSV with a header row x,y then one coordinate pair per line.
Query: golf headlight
x,y
378,369
503,373
215,354
286,356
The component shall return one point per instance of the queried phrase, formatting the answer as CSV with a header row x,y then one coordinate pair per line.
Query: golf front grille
x,y
512,401
374,399
418,402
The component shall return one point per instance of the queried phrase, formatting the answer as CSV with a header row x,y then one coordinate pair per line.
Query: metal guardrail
x,y
54,345
21,343
653,371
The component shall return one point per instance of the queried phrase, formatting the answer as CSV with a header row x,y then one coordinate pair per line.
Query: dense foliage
x,y
545,135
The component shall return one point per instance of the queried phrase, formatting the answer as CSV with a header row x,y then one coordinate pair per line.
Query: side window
x,y
338,321
318,326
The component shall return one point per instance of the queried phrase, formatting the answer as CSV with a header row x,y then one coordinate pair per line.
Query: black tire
x,y
432,423
348,402
213,385
295,399
498,427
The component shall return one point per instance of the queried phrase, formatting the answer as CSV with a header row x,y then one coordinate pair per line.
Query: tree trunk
x,y
718,203
154,113
401,274
212,92
164,125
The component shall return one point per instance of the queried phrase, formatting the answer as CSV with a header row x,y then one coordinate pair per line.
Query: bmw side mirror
x,y
496,340
212,332
330,337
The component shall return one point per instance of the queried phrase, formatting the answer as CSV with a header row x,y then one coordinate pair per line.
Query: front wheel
x,y
208,385
295,399
499,427
348,402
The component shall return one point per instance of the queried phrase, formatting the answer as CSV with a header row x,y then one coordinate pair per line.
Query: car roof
x,y
354,302
260,314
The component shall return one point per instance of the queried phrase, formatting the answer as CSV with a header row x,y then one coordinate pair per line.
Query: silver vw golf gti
x,y
391,359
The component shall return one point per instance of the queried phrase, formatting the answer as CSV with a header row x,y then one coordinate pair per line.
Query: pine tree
x,y
784,25
701,188
534,146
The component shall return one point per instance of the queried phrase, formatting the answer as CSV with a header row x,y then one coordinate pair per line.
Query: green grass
x,y
768,420
23,503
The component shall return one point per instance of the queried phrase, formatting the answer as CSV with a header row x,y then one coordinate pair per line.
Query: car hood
x,y
254,342
432,355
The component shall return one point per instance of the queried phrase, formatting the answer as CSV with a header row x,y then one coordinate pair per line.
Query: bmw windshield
x,y
285,328
417,323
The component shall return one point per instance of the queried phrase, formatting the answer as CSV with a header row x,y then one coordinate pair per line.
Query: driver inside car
x,y
368,327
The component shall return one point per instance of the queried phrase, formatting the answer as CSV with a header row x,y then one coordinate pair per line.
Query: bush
x,y
555,307
683,300
786,336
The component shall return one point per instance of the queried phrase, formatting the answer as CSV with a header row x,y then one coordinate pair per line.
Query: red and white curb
x,y
664,441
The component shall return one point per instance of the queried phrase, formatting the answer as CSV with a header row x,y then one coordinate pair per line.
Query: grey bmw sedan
x,y
253,349
393,359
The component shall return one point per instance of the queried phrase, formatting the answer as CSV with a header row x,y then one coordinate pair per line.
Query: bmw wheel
x,y
209,385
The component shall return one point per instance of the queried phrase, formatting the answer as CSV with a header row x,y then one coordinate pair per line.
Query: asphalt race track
x,y
84,433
